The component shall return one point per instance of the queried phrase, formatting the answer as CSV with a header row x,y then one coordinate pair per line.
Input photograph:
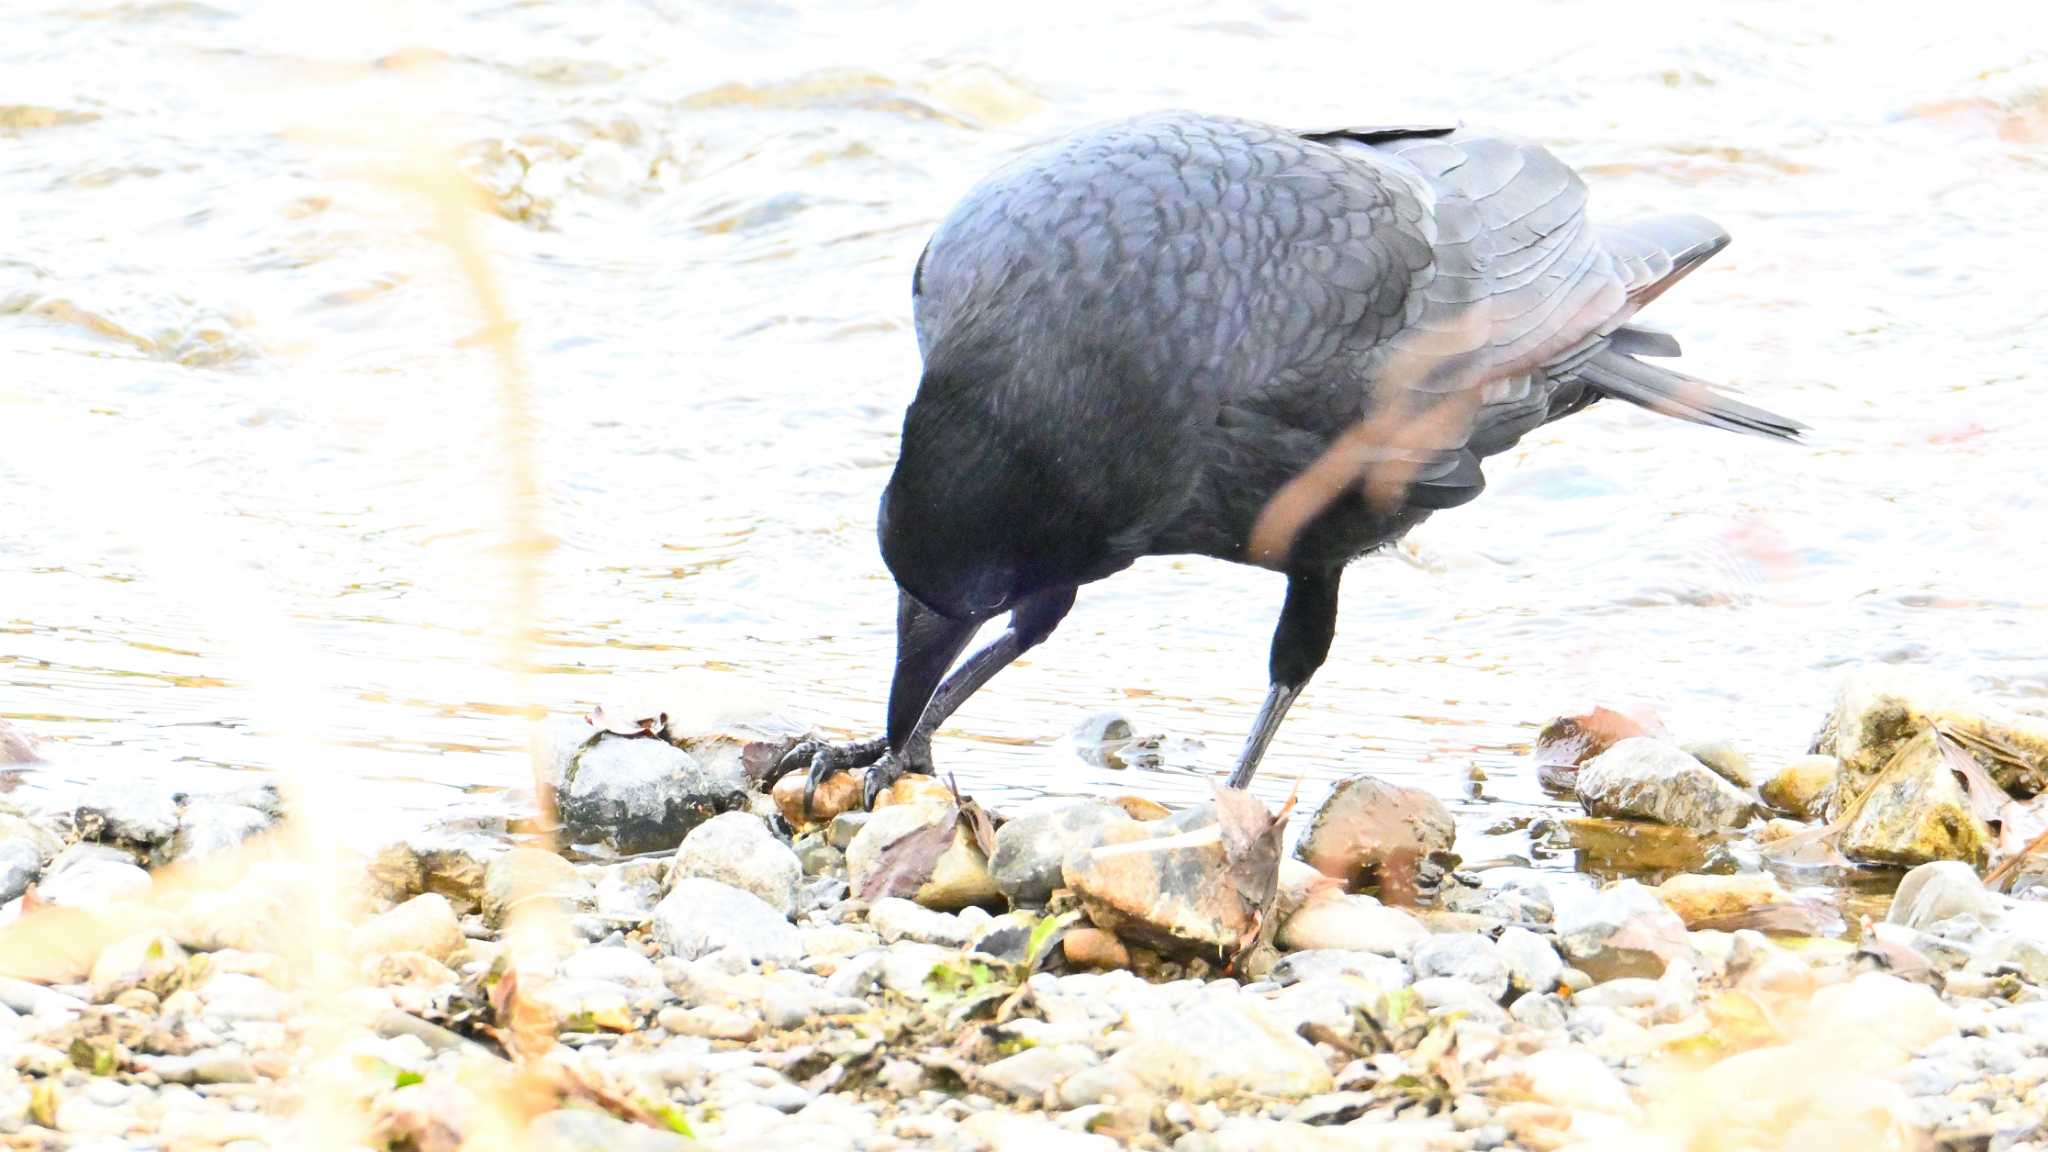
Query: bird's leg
x,y
1031,622
1301,641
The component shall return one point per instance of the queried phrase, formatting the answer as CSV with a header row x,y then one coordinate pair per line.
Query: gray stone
x,y
1620,930
1642,778
1533,965
1353,923
1515,902
1623,992
623,966
208,829
629,890
1938,890
1031,850
818,857
1726,760
1467,956
138,813
583,1130
897,919
844,828
1324,963
233,996
1441,994
525,875
1030,1074
79,878
737,849
906,967
208,1067
1223,1045
20,863
1333,1001
1545,1011
700,916
639,794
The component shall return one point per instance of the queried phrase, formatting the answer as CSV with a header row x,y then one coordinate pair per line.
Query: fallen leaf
x,y
907,862
983,828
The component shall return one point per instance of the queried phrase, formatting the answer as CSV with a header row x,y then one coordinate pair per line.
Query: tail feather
x,y
1612,373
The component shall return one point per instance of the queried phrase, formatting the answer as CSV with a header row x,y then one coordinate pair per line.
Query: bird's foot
x,y
821,760
891,768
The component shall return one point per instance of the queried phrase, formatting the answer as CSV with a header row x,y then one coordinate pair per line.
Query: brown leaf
x,y
1987,799
1251,839
906,863
983,828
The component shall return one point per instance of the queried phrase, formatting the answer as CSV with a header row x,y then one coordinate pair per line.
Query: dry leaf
x,y
1987,799
907,862
983,828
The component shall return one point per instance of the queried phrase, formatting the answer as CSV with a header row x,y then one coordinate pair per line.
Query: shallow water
x,y
250,435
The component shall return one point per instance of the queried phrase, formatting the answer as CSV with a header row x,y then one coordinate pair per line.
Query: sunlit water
x,y
249,436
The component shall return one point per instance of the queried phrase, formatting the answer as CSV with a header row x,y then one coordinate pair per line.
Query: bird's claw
x,y
822,760
888,770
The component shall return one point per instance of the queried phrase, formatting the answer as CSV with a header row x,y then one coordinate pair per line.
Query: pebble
x,y
1533,964
1466,956
699,917
738,850
1224,1044
1032,1073
1643,778
899,919
1352,923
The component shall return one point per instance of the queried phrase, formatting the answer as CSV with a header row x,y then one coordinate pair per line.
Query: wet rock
x,y
1466,956
1032,1073
82,878
1938,891
1620,930
1101,739
1092,948
1371,832
425,924
1726,760
1645,779
207,828
1163,886
1568,742
699,917
639,794
1032,850
1221,1046
898,919
1513,902
1699,900
1634,845
834,796
1880,708
137,814
735,848
1533,965
448,863
1913,812
524,875
1356,923
1804,788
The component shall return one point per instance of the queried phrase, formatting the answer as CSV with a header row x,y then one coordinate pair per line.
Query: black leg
x,y
1030,623
1300,644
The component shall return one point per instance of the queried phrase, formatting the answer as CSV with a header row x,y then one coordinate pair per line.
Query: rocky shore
x,y
681,959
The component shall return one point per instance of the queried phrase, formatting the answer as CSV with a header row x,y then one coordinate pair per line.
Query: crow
x,y
1190,334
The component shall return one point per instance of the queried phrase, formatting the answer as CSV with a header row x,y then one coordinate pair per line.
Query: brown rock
x,y
837,793
1139,808
1634,846
1803,788
1915,811
1569,741
1094,948
1163,891
1698,899
915,788
1883,707
1370,832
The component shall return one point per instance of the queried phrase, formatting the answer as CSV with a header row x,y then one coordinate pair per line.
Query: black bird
x,y
1135,337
